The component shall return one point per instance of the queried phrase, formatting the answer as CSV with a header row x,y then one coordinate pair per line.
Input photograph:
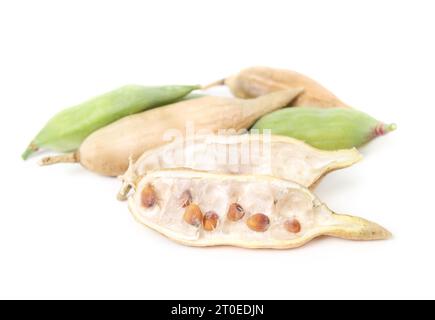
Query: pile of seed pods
x,y
206,189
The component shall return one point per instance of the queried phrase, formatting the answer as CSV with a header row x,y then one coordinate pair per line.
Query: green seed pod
x,y
67,129
327,129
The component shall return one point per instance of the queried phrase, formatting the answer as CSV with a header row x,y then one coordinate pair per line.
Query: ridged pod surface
x,y
327,129
67,129
276,213
256,81
279,156
107,150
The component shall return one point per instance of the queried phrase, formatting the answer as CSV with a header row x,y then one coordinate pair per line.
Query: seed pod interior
x,y
269,204
278,156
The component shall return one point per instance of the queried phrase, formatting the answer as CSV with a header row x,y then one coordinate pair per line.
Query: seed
x,y
210,221
148,196
193,215
292,225
258,222
185,199
235,212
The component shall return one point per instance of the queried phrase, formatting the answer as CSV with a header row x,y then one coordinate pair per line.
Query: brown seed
x,y
185,199
210,221
148,196
292,225
235,212
258,222
193,215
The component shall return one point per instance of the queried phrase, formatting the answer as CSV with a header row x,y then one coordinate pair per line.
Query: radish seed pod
x,y
277,213
279,156
327,129
67,129
256,81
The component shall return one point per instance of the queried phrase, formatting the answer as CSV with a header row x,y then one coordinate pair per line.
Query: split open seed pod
x,y
277,213
279,156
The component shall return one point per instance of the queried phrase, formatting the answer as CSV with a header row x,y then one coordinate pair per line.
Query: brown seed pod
x,y
258,222
107,150
292,225
235,212
257,81
148,196
210,221
193,215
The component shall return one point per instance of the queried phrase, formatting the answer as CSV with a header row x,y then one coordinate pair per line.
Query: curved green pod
x,y
67,129
327,129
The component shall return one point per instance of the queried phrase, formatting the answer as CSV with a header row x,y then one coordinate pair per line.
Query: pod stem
x,y
63,158
220,82
30,149
127,179
123,192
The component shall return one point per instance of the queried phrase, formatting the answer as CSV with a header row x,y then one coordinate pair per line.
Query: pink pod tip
x,y
383,128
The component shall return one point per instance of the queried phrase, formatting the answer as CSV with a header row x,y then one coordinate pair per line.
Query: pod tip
x,y
356,228
26,154
383,128
390,127
30,149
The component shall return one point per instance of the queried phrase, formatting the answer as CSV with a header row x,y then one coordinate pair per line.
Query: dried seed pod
x,y
292,225
285,200
148,196
235,212
193,215
256,81
185,198
210,221
327,129
67,129
279,156
258,222
107,150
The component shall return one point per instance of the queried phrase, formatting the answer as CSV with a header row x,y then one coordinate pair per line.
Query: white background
x,y
64,235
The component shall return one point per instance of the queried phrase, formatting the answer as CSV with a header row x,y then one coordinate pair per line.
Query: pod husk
x,y
330,223
326,129
66,130
289,158
256,81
